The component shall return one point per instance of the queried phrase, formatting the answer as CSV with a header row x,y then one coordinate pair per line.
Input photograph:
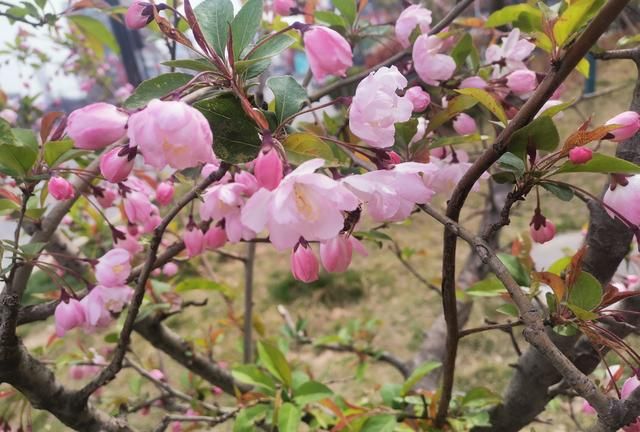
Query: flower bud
x,y
283,7
68,314
164,193
61,189
170,269
138,15
418,97
304,264
629,122
9,115
410,18
522,81
268,169
336,253
215,238
107,197
327,51
580,155
542,229
473,82
96,126
623,196
193,241
117,163
464,124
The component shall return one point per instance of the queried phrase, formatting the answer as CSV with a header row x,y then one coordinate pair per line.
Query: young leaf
x,y
214,17
586,292
245,26
273,46
488,101
275,362
347,9
380,423
250,374
311,391
560,191
95,29
512,163
541,133
571,19
420,372
601,163
288,418
289,96
198,65
54,149
198,283
516,269
489,287
303,146
513,13
454,107
156,87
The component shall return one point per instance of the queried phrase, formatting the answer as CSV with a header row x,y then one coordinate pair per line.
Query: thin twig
x,y
247,353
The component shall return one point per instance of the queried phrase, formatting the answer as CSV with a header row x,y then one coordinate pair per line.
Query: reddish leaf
x,y
48,120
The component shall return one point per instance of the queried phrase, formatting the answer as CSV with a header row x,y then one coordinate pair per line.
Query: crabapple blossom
x,y
9,115
418,97
193,241
138,15
68,315
171,133
107,196
542,229
464,124
629,122
327,51
164,193
225,201
138,207
473,82
448,171
215,238
305,204
580,155
116,164
130,243
114,267
511,53
248,180
623,196
304,264
376,107
96,126
431,66
336,253
283,7
61,189
410,18
522,82
268,169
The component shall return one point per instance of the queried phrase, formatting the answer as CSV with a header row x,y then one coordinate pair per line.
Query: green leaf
x,y
516,269
288,418
275,362
311,391
480,397
348,9
541,133
457,140
489,287
289,96
214,17
303,146
7,204
330,18
54,149
94,28
200,283
250,374
572,19
512,163
16,160
405,132
26,138
198,65
559,266
560,191
380,423
247,418
156,87
601,163
454,107
586,293
488,101
463,49
566,329
552,111
245,26
235,136
581,313
273,45
513,13
417,374
6,134
508,309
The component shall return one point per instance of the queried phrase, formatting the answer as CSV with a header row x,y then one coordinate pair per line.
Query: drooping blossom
x,y
96,126
580,155
248,180
61,189
431,66
138,15
336,253
629,122
68,315
418,97
283,7
171,133
305,204
130,243
541,229
215,238
448,171
268,169
138,207
101,301
225,201
9,115
113,268
107,195
464,124
304,264
164,192
116,164
623,196
327,51
522,82
193,241
512,53
376,107
410,18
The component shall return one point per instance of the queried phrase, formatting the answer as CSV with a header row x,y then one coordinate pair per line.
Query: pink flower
x,y
138,208
304,264
96,126
130,244
473,82
115,297
170,269
513,52
157,374
629,122
418,97
138,15
113,268
152,221
431,66
464,124
222,200
68,315
215,238
580,155
268,169
116,164
61,189
171,133
304,204
587,408
542,229
335,254
164,193
376,107
123,92
625,199
328,52
410,18
522,82
109,195
283,7
95,310
9,115
193,241
248,180
447,172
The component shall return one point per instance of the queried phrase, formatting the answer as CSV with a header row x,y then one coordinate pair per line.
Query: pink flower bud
x,y
473,82
164,193
249,181
542,229
215,238
108,197
151,223
394,157
431,66
336,253
193,241
522,81
138,15
61,189
170,269
96,126
304,264
629,122
410,18
157,374
580,155
283,7
268,169
68,315
116,164
464,124
327,51
137,207
418,97
9,115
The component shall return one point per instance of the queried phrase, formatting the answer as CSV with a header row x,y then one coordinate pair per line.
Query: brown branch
x,y
247,339
553,79
500,326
